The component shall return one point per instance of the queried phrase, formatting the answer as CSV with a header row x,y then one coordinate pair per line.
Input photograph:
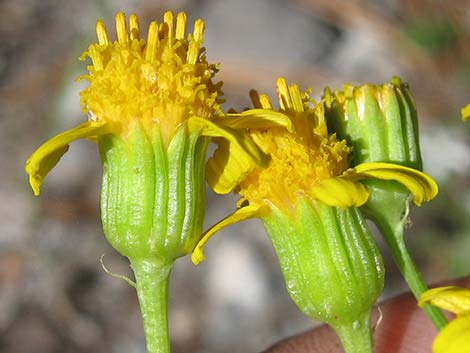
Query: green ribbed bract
x,y
331,265
378,121
153,197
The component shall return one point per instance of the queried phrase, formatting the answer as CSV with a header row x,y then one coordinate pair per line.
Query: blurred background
x,y
54,295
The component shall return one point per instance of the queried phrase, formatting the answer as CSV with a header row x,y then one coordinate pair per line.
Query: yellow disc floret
x,y
163,80
300,159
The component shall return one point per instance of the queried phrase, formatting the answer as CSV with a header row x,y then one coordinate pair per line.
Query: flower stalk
x,y
152,281
392,228
356,338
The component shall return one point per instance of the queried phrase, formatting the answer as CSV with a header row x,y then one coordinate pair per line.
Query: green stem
x,y
152,281
395,240
356,337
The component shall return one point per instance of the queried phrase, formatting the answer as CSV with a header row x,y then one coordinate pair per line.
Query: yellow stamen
x,y
180,25
152,42
195,44
260,101
283,92
193,52
152,81
168,18
101,33
265,102
96,58
296,97
134,27
121,29
299,159
199,30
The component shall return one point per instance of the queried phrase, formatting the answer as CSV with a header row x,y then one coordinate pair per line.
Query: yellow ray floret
x,y
465,111
46,157
239,215
453,299
455,336
237,154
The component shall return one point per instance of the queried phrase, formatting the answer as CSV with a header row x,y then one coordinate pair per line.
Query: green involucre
x,y
331,265
153,197
379,121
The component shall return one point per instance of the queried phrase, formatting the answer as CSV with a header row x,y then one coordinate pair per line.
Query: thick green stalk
x,y
396,242
392,225
356,337
152,281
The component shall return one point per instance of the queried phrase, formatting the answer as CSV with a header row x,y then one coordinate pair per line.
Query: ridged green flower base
x,y
153,196
332,267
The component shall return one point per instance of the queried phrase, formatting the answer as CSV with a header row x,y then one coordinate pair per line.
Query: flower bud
x,y
380,122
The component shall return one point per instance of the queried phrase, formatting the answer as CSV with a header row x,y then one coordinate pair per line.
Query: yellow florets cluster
x,y
163,80
299,159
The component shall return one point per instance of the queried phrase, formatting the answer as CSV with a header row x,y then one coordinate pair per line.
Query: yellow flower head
x,y
455,337
163,80
465,111
158,84
301,158
306,162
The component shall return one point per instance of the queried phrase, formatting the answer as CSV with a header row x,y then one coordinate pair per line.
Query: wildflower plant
x,y
307,198
308,170
149,104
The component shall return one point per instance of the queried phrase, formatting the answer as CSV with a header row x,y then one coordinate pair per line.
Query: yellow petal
x,y
235,157
239,215
453,299
421,185
48,154
454,338
340,192
256,119
465,111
